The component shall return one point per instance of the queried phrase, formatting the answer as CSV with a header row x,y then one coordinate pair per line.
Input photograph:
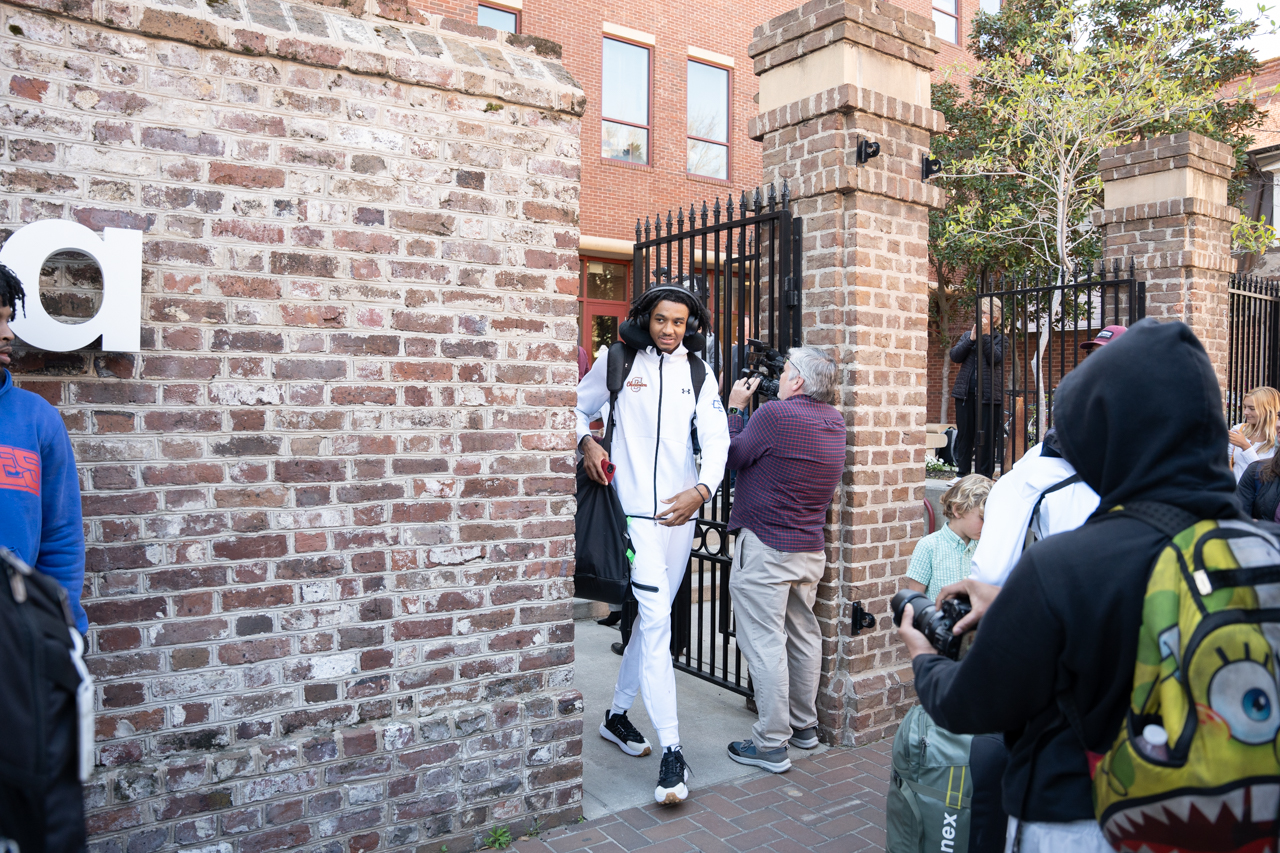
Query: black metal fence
x,y
1254,344
745,256
1038,322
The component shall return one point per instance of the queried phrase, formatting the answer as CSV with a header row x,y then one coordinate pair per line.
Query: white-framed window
x,y
707,124
624,102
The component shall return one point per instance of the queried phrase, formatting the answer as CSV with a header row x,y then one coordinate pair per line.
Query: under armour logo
x,y
686,390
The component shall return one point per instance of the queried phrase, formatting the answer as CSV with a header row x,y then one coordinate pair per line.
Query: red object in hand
x,y
608,468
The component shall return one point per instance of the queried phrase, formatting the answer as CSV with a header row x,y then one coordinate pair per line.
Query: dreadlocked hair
x,y
11,292
651,297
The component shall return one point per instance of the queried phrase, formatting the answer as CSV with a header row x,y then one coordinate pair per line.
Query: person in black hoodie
x,y
1140,421
972,409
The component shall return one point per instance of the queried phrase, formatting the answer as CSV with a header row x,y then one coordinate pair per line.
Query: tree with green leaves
x,y
1055,82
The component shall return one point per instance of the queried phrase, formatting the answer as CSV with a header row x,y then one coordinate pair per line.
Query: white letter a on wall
x,y
119,256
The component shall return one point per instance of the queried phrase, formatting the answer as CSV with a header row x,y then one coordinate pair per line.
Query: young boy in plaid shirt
x,y
945,557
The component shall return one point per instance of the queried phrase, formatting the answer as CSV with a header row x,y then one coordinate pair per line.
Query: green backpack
x,y
930,789
1196,766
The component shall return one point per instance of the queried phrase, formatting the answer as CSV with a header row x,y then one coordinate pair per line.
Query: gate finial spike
x,y
669,229
786,194
757,202
728,208
773,197
693,217
742,205
704,213
637,229
679,219
716,210
646,228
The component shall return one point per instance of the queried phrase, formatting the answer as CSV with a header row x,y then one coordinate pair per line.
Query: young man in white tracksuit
x,y
662,490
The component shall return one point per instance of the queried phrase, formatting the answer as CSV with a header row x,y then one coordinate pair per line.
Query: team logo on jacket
x,y
636,384
19,469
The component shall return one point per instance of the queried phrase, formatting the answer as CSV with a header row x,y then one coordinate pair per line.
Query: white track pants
x,y
662,555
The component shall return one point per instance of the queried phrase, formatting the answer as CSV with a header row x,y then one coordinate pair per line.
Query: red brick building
x,y
676,51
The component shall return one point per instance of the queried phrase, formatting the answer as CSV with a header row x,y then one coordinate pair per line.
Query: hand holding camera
x,y
920,622
743,390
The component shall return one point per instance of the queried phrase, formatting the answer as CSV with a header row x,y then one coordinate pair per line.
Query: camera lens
x,y
932,621
908,596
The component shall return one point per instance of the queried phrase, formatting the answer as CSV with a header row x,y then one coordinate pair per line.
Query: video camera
x,y
767,363
935,622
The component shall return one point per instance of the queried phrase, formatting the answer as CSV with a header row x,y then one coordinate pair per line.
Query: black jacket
x,y
1258,499
1140,420
965,354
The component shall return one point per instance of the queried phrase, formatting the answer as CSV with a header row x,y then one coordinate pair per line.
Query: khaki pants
x,y
773,595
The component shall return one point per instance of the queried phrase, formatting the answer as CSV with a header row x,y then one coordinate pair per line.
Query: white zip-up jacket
x,y
652,445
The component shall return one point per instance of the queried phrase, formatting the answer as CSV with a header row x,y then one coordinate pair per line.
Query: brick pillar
x,y
1165,208
831,72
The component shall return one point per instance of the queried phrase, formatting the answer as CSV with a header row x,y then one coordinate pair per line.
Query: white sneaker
x,y
618,729
672,777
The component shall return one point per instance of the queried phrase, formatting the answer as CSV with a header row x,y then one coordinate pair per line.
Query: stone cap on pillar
x,y
1176,166
826,43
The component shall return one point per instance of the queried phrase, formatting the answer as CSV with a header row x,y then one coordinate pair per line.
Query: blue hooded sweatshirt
x,y
39,492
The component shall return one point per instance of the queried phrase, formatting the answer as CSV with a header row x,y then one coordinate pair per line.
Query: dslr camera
x,y
935,622
767,363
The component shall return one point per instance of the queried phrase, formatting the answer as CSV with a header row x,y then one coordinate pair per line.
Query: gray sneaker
x,y
773,760
805,738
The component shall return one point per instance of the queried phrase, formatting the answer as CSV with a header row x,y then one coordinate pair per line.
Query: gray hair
x,y
817,369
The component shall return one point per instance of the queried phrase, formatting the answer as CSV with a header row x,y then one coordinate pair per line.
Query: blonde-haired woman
x,y
1255,438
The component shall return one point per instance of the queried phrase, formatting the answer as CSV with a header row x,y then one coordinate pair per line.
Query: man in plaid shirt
x,y
789,459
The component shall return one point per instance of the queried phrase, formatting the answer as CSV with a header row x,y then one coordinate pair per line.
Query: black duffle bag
x,y
603,552
602,569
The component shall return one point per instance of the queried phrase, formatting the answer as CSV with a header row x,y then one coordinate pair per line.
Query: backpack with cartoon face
x,y
1196,766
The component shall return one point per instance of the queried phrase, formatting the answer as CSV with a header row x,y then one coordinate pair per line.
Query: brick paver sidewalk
x,y
830,803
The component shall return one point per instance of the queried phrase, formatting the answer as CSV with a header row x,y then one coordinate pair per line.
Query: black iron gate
x,y
1254,349
746,258
1039,319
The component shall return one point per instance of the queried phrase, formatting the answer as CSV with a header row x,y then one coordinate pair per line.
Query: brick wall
x,y
329,505
865,298
615,194
1180,246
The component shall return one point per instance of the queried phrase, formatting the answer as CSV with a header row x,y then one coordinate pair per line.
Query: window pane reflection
x,y
622,142
625,89
708,159
946,26
604,331
708,102
499,19
606,281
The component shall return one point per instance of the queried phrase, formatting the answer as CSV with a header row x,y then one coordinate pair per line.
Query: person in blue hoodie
x,y
40,522
39,491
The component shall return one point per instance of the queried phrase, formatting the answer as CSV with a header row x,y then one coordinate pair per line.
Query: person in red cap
x,y
1106,336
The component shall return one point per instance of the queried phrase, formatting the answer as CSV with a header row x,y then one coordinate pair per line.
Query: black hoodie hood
x,y
1141,420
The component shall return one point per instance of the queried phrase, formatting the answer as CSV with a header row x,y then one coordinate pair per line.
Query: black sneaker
x,y
773,760
617,728
671,788
805,738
